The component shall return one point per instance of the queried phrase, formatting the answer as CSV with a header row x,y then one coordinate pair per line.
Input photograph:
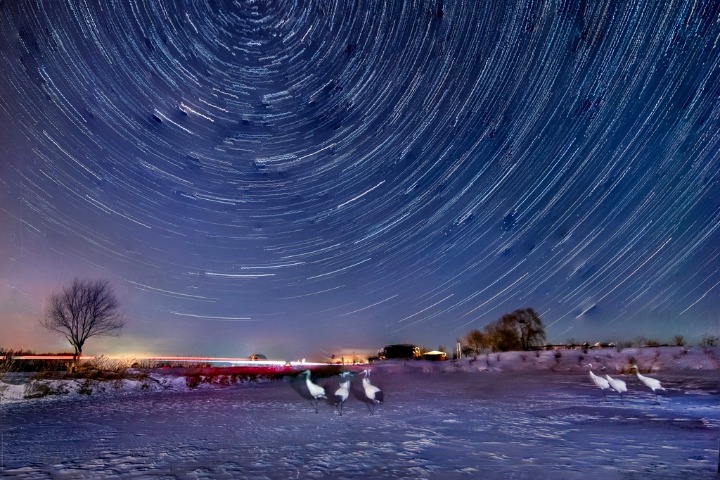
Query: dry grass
x,y
6,366
99,368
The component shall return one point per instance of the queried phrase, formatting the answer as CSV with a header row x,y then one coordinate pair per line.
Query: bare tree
x,y
504,334
521,329
475,342
87,308
532,330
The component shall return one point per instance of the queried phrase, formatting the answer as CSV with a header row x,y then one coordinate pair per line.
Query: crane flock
x,y
366,392
370,394
607,382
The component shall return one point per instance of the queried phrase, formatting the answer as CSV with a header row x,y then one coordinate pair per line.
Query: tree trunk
x,y
76,359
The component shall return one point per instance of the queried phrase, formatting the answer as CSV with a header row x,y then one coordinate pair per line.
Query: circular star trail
x,y
299,177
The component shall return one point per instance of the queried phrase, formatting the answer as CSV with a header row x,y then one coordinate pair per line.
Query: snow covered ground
x,y
537,417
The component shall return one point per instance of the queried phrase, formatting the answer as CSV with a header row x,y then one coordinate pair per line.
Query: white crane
x,y
652,383
343,391
617,385
599,382
370,394
316,391
306,388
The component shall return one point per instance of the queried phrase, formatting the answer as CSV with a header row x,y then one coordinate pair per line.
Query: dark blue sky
x,y
300,177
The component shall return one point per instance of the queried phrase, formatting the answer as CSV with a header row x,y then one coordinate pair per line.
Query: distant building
x,y
350,356
402,350
435,355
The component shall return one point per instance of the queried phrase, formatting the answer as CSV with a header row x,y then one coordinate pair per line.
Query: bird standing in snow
x,y
617,385
599,382
652,383
343,391
306,388
370,394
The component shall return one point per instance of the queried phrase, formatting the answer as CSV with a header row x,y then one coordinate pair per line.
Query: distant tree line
x,y
10,364
521,329
707,341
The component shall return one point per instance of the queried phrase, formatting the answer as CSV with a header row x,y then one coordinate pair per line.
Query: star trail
x,y
297,177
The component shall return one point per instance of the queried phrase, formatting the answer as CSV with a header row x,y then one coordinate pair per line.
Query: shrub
x,y
623,345
678,341
85,388
192,381
42,389
104,364
7,365
37,390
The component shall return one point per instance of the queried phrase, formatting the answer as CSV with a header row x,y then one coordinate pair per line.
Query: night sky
x,y
295,178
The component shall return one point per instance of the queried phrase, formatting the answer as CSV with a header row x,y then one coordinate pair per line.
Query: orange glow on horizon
x,y
236,361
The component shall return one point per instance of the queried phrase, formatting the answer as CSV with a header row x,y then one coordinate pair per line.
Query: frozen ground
x,y
462,423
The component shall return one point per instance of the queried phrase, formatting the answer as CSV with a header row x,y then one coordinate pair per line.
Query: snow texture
x,y
439,420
